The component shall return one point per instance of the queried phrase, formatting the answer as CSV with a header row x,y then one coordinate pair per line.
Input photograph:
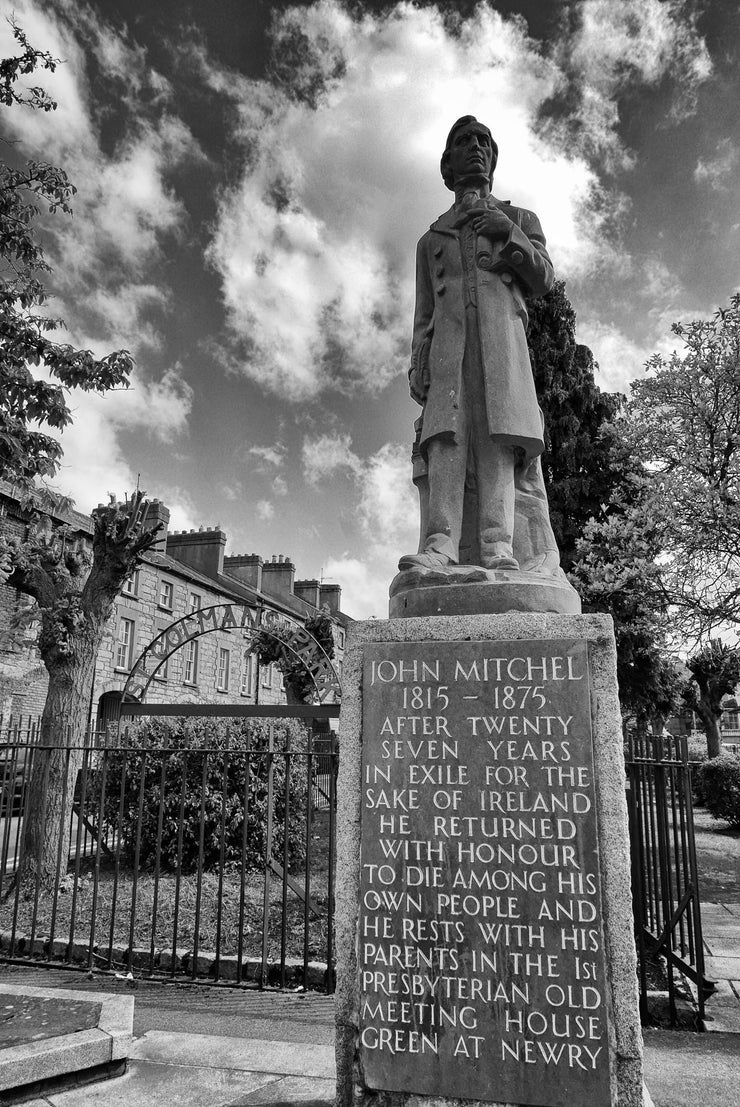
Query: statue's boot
x,y
438,553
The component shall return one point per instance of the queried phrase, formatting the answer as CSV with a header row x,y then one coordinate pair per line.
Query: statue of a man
x,y
481,432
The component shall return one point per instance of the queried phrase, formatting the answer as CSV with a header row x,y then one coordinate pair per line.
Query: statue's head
x,y
460,157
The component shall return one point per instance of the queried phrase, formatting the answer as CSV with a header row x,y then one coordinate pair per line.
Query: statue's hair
x,y
444,164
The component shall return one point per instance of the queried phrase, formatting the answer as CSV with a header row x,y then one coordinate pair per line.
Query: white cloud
x,y
720,171
620,358
268,455
615,46
386,514
364,586
328,454
265,510
94,462
315,244
280,486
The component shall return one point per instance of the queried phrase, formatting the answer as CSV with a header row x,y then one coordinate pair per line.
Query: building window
x,y
131,585
163,670
248,675
125,643
166,594
340,638
195,602
222,680
267,676
190,672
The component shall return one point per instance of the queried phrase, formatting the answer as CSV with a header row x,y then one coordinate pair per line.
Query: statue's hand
x,y
490,222
418,385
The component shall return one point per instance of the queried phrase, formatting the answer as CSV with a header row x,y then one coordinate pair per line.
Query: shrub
x,y
718,782
204,766
697,755
697,749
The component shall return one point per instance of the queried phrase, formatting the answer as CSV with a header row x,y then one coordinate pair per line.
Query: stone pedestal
x,y
484,924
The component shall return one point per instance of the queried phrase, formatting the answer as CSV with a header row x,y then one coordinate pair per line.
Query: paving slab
x,y
683,1069
723,968
722,945
213,1051
153,1084
292,1089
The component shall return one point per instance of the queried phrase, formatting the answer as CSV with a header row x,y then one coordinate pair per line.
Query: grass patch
x,y
157,900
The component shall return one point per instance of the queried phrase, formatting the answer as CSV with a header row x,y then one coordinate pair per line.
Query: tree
x,y
715,670
684,425
585,459
73,581
28,402
596,489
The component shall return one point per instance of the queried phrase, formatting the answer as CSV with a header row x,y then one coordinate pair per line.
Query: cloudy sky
x,y
252,178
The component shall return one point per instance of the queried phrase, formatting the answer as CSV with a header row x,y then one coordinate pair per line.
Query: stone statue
x,y
480,435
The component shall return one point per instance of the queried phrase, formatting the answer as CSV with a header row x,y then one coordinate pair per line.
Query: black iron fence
x,y
665,879
213,863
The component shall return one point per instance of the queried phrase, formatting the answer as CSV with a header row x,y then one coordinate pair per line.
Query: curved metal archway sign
x,y
246,620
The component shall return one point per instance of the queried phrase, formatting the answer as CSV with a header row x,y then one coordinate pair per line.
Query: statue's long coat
x,y
505,271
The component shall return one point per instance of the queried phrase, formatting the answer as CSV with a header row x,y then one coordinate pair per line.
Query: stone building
x,y
186,571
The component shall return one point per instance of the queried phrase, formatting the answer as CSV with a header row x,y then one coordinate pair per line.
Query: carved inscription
x,y
480,942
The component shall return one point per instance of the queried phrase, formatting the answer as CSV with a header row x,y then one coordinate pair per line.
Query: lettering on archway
x,y
245,620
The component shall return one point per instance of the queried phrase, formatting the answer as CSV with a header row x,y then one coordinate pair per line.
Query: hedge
x,y
223,761
717,782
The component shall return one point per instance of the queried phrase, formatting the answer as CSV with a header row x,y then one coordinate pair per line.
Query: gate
x,y
208,862
203,860
665,882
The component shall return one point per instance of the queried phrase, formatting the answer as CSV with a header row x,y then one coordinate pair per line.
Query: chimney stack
x,y
309,591
201,549
278,576
245,567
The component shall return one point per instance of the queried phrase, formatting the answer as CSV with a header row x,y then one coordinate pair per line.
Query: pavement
x,y
212,1046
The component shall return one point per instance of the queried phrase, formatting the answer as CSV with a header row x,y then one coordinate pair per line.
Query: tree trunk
x,y
56,764
714,741
710,722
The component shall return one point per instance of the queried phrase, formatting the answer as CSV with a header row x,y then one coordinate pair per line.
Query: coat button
x,y
517,257
506,278
441,289
440,270
437,251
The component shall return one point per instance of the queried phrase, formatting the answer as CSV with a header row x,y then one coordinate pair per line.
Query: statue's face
x,y
471,153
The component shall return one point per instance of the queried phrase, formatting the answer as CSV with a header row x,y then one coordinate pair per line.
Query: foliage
x,y
684,426
177,762
28,401
715,671
718,783
73,579
585,461
696,750
596,490
271,649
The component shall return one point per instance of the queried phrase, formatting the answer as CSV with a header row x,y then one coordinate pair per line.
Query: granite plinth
x,y
620,1000
96,1048
469,590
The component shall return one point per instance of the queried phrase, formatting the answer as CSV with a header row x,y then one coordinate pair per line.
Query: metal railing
x,y
212,863
665,881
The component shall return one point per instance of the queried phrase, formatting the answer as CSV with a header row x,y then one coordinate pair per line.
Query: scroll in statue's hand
x,y
490,222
